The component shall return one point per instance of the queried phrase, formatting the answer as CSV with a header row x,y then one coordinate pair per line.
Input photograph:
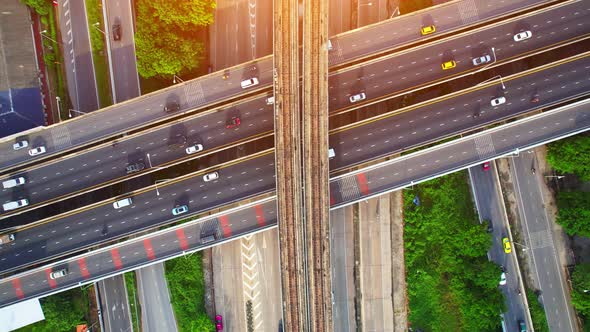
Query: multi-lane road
x,y
490,207
359,143
414,68
362,184
212,89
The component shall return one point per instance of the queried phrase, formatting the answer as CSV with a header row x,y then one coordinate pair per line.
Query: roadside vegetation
x,y
187,293
134,308
451,284
406,7
574,212
63,312
581,292
170,36
571,155
99,51
537,312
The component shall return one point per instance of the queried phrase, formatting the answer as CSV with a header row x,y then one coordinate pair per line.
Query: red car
x,y
218,323
486,166
232,123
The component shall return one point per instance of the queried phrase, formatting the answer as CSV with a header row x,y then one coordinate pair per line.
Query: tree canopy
x,y
574,212
571,155
581,289
41,7
63,311
169,35
451,284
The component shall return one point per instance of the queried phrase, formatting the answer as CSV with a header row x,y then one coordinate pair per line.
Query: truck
x,y
6,238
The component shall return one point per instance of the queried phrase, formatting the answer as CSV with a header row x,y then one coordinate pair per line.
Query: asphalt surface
x,y
375,79
209,89
77,51
490,207
125,79
363,184
114,306
156,309
366,141
539,244
342,264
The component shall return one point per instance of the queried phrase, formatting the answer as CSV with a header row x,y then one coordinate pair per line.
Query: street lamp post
x,y
43,34
489,79
176,78
96,26
555,176
524,248
394,12
75,111
156,183
149,159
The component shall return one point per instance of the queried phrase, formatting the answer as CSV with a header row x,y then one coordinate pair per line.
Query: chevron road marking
x,y
250,279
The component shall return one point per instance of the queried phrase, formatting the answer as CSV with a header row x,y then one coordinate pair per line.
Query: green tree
x,y
574,212
571,155
581,289
167,39
41,7
61,313
537,312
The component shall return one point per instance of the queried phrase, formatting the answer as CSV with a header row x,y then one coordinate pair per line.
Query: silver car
x,y
194,149
36,151
179,210
498,101
522,36
58,274
481,60
358,97
20,145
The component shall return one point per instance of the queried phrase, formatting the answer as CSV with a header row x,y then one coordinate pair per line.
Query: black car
x,y
135,168
172,107
117,31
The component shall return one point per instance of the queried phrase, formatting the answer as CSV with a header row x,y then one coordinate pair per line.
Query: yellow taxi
x,y
506,245
449,64
427,30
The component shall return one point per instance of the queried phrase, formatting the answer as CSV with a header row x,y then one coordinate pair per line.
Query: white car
x,y
249,82
211,176
498,101
329,45
522,36
270,100
15,204
194,149
10,183
481,60
36,151
58,274
503,279
122,203
179,210
358,97
20,145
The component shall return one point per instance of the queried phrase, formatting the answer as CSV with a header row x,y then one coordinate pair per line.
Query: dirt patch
x,y
398,263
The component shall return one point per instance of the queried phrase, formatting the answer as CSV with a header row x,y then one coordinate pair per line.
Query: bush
x,y
571,155
581,289
187,293
574,212
41,7
63,311
451,284
537,312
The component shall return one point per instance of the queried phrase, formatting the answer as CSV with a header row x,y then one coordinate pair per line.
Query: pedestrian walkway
x,y
20,96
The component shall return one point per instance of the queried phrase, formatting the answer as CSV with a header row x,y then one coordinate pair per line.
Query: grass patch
x,y
63,311
451,284
187,293
99,58
537,312
132,296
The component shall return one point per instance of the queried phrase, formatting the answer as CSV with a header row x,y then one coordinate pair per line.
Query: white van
x,y
331,153
15,204
13,182
122,203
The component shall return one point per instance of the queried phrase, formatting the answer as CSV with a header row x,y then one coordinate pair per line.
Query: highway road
x,y
374,79
539,244
211,89
77,60
491,207
364,183
361,142
156,310
114,304
123,66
